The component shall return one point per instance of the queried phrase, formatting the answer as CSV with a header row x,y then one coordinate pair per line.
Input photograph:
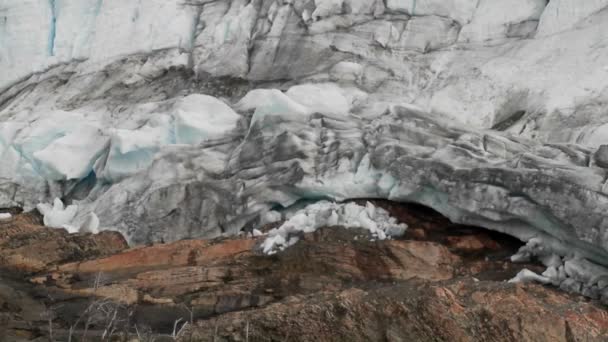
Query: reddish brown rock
x,y
472,243
460,310
27,246
445,284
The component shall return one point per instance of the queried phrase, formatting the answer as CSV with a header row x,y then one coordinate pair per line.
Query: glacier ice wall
x,y
175,118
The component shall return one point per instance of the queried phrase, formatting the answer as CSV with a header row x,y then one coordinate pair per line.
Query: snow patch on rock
x,y
326,214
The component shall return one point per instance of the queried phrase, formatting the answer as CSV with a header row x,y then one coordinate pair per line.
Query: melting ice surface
x,y
60,216
57,215
570,273
62,145
156,176
326,214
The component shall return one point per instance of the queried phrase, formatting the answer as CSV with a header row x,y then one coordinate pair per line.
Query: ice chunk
x,y
57,216
90,224
271,102
551,260
5,216
134,150
70,228
326,8
553,274
537,247
526,276
42,132
57,146
325,98
347,71
14,164
326,214
202,117
72,156
584,270
196,118
271,216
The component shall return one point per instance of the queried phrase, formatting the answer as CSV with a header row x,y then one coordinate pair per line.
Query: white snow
x,y
526,276
5,216
57,215
326,214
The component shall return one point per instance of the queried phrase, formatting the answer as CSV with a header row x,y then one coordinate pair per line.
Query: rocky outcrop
x,y
440,282
416,311
27,246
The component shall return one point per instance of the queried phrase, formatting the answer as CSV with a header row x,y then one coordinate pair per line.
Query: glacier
x,y
171,119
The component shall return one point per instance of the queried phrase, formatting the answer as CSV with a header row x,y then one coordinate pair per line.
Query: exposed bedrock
x,y
440,281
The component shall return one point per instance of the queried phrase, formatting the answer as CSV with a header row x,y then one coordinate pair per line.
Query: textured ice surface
x,y
327,214
502,19
491,112
563,15
133,150
201,117
571,273
526,276
37,34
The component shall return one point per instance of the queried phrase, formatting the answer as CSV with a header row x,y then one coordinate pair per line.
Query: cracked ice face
x,y
475,108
